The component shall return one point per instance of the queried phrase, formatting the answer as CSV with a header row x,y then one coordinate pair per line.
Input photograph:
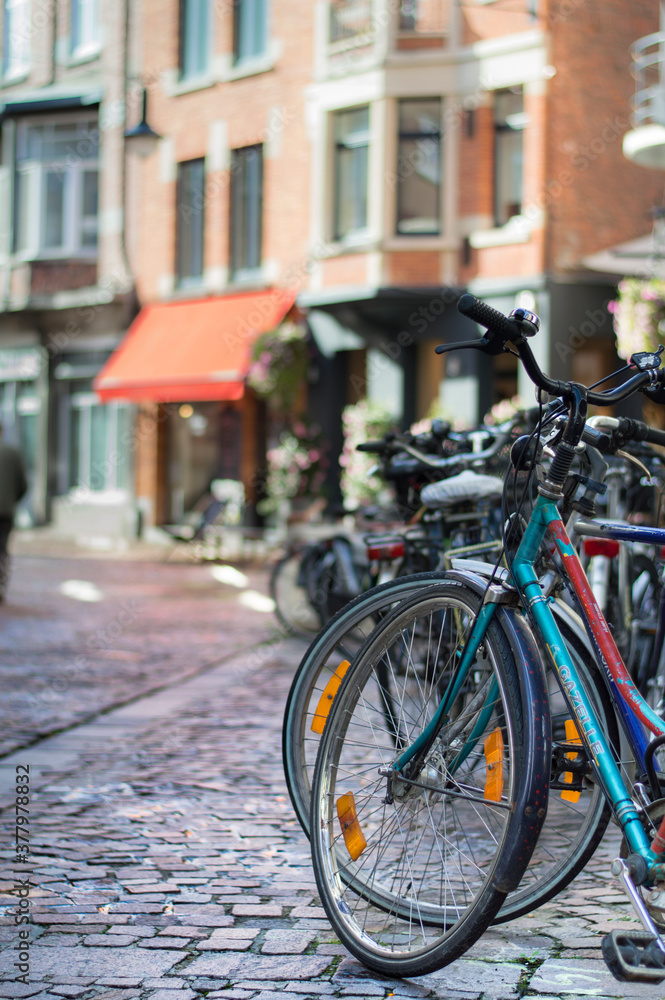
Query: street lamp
x,y
141,139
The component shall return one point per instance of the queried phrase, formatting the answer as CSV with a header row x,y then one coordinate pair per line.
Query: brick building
x,y
374,158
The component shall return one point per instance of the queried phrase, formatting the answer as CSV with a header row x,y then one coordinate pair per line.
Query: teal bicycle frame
x,y
545,519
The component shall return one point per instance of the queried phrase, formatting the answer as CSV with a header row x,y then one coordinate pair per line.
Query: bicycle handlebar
x,y
515,329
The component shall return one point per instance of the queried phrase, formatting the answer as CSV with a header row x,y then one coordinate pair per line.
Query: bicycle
x,y
314,580
432,777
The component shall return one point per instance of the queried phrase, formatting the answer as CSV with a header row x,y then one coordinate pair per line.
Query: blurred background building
x,y
358,163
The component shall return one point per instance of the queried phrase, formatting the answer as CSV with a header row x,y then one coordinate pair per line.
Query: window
x,y
424,16
56,188
351,177
85,27
98,455
419,167
250,29
509,123
16,38
246,209
194,38
189,222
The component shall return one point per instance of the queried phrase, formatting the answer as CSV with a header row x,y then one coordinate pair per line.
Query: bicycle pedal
x,y
634,957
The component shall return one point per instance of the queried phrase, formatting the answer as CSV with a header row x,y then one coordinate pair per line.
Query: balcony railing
x,y
350,19
649,61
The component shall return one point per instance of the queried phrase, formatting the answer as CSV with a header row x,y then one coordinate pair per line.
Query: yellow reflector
x,y
494,761
348,819
326,699
572,736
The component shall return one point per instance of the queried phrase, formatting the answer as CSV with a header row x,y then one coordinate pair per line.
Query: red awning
x,y
180,351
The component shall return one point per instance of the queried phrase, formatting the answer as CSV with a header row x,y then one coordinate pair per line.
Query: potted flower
x,y
296,469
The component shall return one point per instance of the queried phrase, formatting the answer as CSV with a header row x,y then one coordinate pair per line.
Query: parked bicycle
x,y
314,580
432,778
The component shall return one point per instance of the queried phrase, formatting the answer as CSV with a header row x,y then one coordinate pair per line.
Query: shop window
x,y
509,123
190,217
351,131
250,29
419,167
194,38
56,204
99,445
246,210
85,28
16,32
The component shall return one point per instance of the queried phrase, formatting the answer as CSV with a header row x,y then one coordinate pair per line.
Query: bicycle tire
x,y
572,831
293,609
339,640
426,883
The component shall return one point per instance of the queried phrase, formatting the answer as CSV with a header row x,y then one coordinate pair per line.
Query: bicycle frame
x,y
633,710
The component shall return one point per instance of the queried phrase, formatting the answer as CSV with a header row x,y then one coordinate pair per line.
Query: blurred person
x,y
13,486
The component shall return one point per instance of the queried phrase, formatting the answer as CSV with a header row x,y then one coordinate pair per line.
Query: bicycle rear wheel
x,y
408,868
293,608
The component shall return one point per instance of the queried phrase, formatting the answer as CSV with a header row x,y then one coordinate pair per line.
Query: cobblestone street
x,y
166,863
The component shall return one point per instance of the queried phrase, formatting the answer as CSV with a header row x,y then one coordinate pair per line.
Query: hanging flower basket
x,y
278,370
639,315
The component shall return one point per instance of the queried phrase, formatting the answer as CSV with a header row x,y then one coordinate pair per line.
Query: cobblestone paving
x,y
166,861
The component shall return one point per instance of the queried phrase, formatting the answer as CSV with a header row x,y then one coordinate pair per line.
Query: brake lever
x,y
489,346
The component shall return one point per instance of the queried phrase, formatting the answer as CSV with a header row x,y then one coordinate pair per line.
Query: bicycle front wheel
x,y
406,866
319,674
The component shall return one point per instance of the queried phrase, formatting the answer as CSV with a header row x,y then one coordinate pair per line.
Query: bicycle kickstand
x,y
634,956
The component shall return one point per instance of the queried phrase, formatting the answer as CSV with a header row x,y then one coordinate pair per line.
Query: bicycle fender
x,y
529,805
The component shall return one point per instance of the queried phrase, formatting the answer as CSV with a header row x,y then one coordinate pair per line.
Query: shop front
x,y
183,365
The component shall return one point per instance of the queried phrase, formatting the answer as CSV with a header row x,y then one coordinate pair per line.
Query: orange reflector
x,y
327,698
601,547
348,819
389,550
494,761
572,736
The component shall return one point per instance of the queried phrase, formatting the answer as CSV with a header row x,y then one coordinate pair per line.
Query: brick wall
x,y
594,196
263,108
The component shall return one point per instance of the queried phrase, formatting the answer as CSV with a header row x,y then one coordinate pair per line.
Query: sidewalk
x,y
165,859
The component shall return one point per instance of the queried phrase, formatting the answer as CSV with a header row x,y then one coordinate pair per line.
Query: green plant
x,y
363,421
296,467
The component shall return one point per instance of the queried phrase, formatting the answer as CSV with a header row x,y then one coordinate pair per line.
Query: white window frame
x,y
89,43
16,39
33,173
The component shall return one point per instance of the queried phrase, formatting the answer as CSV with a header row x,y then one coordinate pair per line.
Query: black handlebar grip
x,y
490,318
653,435
375,447
637,430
